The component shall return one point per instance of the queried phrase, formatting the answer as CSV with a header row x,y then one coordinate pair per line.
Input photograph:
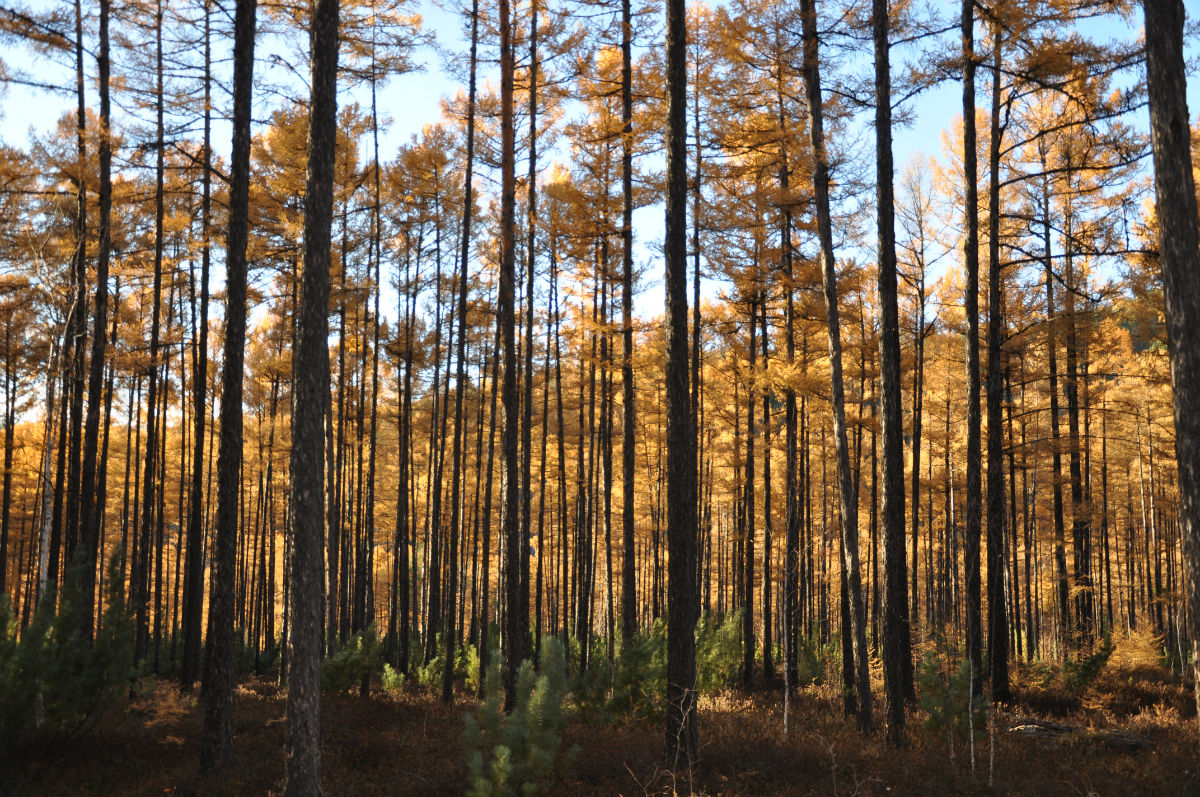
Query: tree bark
x,y
460,375
1179,243
997,617
310,381
628,585
216,743
974,517
848,511
897,644
682,728
516,626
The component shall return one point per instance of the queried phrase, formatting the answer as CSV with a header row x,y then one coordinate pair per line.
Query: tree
x,y
193,590
460,355
1179,250
310,370
216,746
847,506
971,308
682,727
516,624
897,653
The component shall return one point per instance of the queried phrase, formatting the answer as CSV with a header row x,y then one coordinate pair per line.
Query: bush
x,y
509,754
718,652
393,679
466,666
352,664
639,676
946,697
1078,676
54,679
812,658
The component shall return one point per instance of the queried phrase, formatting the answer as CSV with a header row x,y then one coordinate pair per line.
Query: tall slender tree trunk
x,y
628,585
682,729
89,513
1179,244
974,516
310,380
460,375
149,484
997,617
516,625
848,511
86,563
897,643
193,590
216,743
749,503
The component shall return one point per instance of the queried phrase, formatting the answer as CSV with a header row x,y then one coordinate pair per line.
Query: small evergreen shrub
x,y
467,663
356,660
811,660
1079,675
718,652
510,754
466,666
54,679
393,679
946,697
639,676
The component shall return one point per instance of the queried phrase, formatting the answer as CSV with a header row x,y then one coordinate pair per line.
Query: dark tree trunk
x,y
149,483
682,729
1178,247
527,365
628,586
310,381
460,375
848,510
89,513
516,625
83,557
193,590
974,518
897,645
748,502
216,744
997,617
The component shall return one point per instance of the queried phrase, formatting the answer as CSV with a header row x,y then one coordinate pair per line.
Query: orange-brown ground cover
x,y
411,744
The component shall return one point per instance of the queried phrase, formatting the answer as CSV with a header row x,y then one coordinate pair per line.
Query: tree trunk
x,y
216,744
89,512
682,729
310,380
974,516
848,511
897,644
516,626
457,476
997,619
1178,248
628,586
193,590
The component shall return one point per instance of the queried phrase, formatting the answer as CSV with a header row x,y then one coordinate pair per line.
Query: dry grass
x,y
412,744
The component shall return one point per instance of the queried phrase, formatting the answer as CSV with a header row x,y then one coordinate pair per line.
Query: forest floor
x,y
1131,731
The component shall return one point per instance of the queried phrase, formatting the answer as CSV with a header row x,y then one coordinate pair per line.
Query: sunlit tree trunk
x,y
848,511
